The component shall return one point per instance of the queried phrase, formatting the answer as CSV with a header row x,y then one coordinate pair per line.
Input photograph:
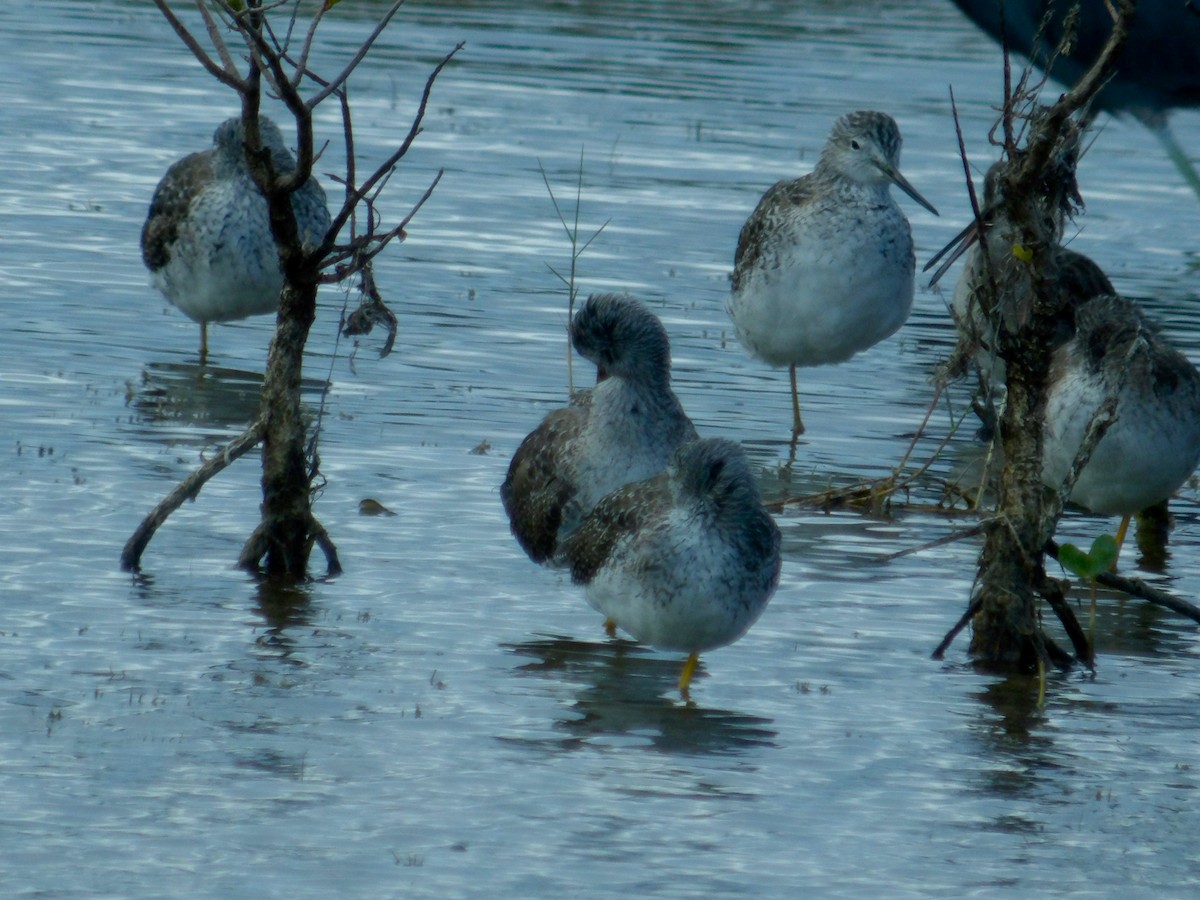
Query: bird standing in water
x,y
686,560
623,430
207,239
1153,445
1104,347
824,265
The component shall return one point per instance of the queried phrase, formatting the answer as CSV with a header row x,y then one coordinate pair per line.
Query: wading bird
x,y
824,265
683,561
623,430
207,239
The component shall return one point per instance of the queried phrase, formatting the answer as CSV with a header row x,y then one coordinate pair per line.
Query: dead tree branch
x,y
1034,191
188,489
288,529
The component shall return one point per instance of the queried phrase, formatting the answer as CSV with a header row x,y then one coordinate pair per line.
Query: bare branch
x,y
398,231
267,59
1041,145
962,534
342,76
198,51
963,621
384,170
188,489
258,544
1135,587
1053,592
288,531
306,47
317,533
218,40
366,247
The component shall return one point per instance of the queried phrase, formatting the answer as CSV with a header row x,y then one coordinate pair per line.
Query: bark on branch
x,y
1035,189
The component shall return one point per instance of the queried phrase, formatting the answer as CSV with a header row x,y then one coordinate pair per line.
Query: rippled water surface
x,y
446,719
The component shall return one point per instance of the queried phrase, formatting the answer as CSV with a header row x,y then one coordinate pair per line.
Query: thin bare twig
x,y
218,40
198,51
306,47
964,620
364,190
365,247
398,230
1079,96
269,60
1052,592
960,535
338,80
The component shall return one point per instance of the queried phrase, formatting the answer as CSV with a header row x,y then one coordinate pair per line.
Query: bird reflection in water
x,y
202,395
196,394
624,692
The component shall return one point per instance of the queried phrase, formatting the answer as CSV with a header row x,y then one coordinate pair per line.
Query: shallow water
x,y
446,719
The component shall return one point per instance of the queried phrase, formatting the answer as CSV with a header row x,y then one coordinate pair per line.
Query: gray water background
x,y
446,719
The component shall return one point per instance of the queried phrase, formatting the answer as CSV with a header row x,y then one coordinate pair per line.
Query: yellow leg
x,y
1122,529
610,628
685,677
797,424
203,343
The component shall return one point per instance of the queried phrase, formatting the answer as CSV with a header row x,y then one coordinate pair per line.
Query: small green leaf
x,y
1104,553
1089,565
1074,560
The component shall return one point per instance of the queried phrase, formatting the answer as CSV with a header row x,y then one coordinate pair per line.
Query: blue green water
x,y
446,719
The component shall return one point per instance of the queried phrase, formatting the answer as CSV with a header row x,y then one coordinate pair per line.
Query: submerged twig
x,y
960,535
1135,587
939,652
1052,592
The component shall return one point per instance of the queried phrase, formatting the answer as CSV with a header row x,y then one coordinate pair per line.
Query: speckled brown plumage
x,y
207,239
170,204
623,430
537,489
824,264
686,560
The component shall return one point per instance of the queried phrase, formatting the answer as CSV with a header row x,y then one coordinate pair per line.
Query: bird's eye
x,y
855,145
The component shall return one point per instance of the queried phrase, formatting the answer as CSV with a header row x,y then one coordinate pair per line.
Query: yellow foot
x,y
610,628
685,677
